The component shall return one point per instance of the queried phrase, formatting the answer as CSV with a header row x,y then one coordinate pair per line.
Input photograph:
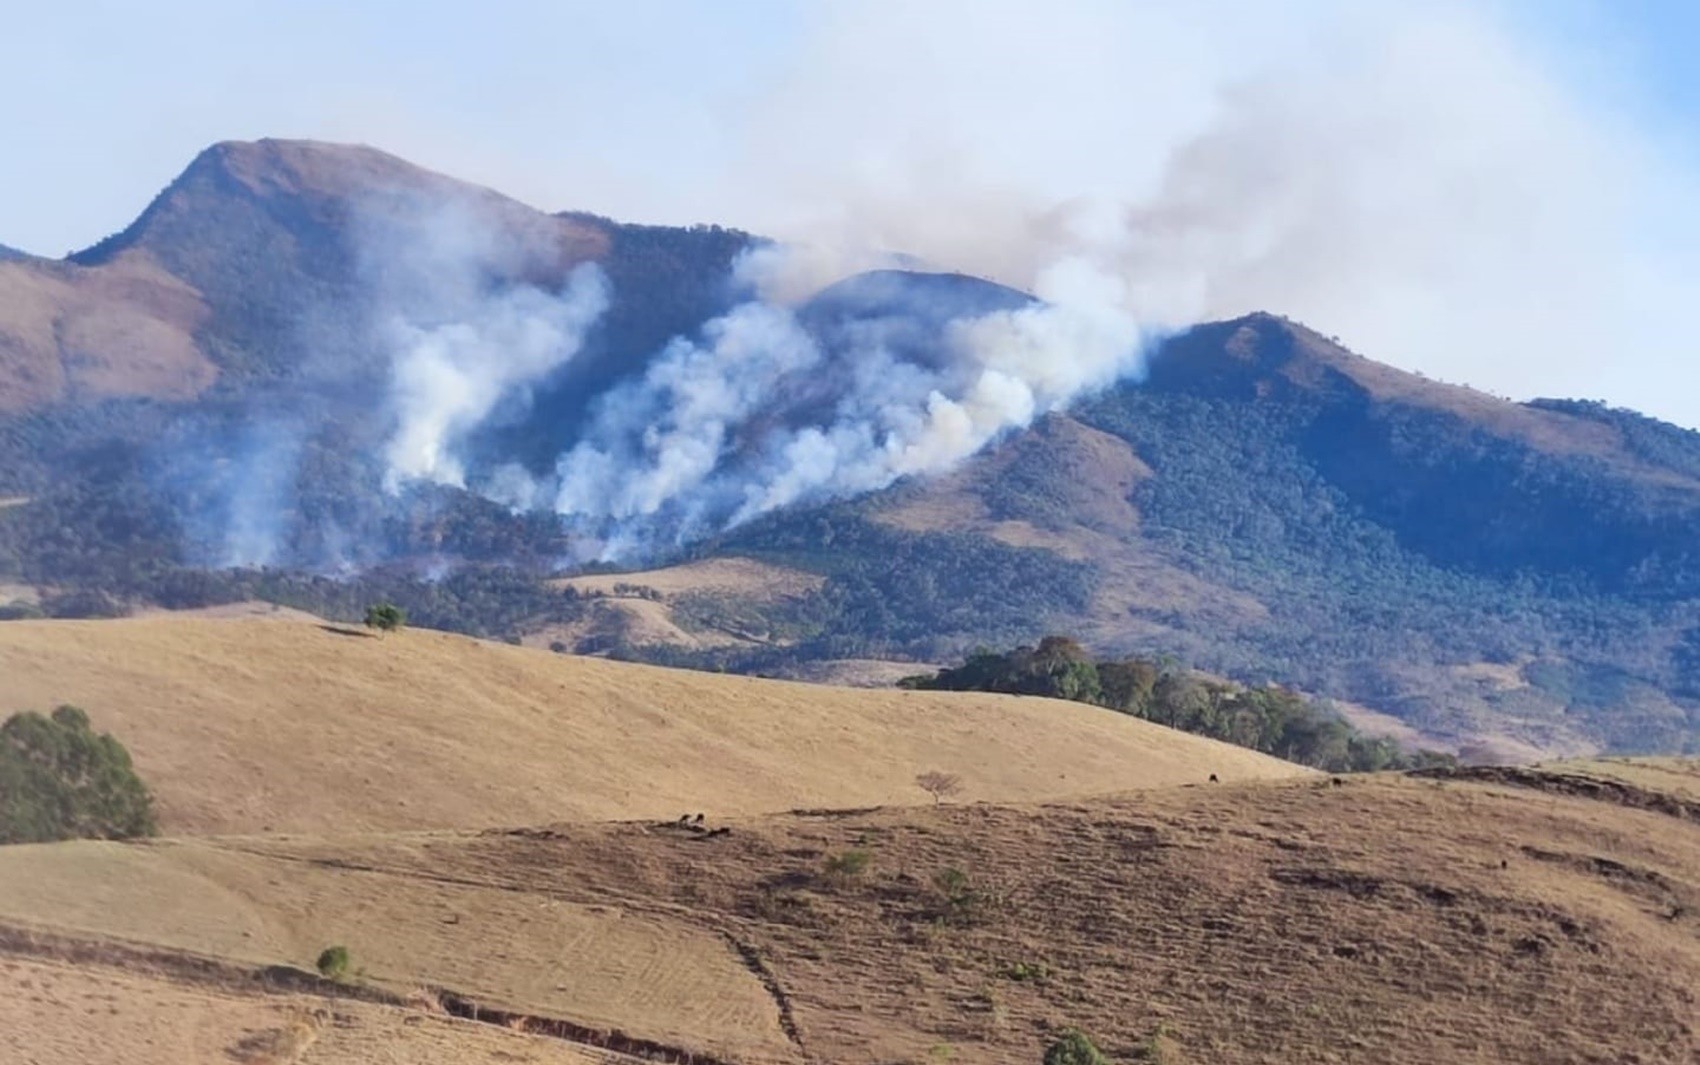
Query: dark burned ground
x,y
1382,920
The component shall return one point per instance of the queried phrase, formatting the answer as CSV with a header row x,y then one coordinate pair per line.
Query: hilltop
x,y
252,725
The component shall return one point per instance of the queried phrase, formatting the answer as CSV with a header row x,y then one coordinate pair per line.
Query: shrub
x,y
332,963
1073,1048
61,780
21,611
385,617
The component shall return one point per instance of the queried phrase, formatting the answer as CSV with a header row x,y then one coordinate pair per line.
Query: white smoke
x,y
658,440
1477,189
754,413
450,376
458,297
721,430
1006,368
256,491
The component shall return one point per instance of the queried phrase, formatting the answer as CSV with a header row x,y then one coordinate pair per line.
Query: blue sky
x,y
1503,193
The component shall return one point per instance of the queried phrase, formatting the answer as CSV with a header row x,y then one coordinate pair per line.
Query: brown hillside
x,y
253,725
56,1012
308,190
124,328
1388,920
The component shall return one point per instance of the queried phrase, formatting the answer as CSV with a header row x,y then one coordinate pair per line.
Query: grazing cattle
x,y
1213,779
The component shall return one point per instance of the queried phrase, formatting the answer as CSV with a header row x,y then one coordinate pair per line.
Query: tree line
x,y
1270,718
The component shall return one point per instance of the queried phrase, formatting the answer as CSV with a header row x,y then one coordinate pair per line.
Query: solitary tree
x,y
938,784
385,617
333,962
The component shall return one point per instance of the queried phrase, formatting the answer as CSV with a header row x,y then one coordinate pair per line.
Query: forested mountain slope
x,y
194,411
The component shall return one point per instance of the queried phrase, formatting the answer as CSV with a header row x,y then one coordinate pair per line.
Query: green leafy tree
x,y
332,963
59,779
1127,686
385,617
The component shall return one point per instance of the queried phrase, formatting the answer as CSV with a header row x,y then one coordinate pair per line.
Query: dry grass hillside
x,y
255,725
123,328
1383,919
643,608
55,1012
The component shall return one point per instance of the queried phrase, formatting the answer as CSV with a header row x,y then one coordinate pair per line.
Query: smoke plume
x,y
1447,186
450,376
759,410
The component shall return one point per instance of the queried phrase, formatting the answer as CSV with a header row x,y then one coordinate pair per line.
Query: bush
x,y
385,617
332,963
21,611
60,780
1073,1048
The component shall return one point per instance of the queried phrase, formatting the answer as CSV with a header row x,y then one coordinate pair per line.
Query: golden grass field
x,y
743,577
1547,914
639,609
252,725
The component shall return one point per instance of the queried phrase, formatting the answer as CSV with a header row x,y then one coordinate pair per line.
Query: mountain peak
x,y
318,169
304,184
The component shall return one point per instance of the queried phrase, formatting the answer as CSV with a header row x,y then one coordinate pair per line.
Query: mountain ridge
x,y
1263,503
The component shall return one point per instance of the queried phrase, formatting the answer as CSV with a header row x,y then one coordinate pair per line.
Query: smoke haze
x,y
1417,181
756,411
1440,185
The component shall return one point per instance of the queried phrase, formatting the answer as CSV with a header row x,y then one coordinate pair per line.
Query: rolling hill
x,y
491,832
252,725
1385,919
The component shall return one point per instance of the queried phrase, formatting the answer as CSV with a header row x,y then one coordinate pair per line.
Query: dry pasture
x,y
256,725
